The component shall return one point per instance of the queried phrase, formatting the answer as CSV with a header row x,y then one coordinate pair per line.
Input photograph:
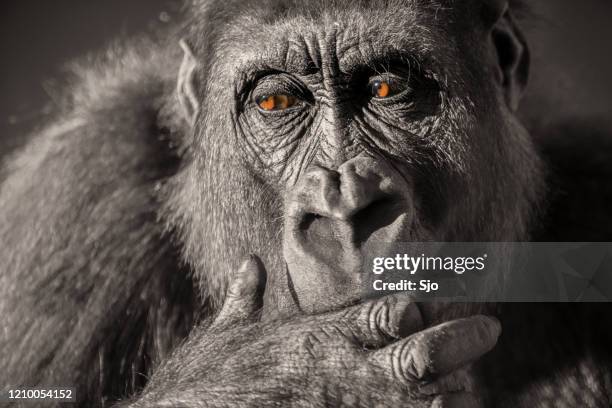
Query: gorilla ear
x,y
186,84
511,48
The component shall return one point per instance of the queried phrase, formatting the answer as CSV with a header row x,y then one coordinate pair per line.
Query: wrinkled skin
x,y
123,221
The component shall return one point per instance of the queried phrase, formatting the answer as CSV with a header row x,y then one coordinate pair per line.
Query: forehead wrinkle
x,y
250,44
363,40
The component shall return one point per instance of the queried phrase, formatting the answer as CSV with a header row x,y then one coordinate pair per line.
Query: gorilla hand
x,y
372,354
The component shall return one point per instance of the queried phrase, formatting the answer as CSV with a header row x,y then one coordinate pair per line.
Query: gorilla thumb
x,y
244,296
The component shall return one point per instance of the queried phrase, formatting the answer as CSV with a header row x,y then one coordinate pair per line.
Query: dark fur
x,y
97,284
93,291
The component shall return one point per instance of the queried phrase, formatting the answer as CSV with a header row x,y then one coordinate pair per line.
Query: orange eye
x,y
380,89
276,102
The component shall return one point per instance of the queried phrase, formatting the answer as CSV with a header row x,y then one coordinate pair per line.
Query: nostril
x,y
319,235
307,221
317,227
378,214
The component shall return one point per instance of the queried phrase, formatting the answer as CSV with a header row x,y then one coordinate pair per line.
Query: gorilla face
x,y
339,128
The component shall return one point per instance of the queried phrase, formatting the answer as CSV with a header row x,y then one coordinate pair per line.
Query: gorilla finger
x,y
378,322
440,349
456,400
245,293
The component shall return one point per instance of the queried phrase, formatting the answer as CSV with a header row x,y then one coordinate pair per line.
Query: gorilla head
x,y
345,124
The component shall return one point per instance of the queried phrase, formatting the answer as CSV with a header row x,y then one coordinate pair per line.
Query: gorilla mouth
x,y
334,252
336,220
343,245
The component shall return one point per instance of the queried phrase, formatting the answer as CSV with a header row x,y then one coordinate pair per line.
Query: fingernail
x,y
493,324
245,265
248,275
242,274
409,319
496,322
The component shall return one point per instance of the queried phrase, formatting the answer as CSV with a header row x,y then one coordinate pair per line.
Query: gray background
x,y
570,42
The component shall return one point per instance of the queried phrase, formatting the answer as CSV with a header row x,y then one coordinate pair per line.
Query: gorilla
x,y
296,135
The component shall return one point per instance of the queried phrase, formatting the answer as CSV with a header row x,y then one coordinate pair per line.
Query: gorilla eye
x,y
384,88
275,102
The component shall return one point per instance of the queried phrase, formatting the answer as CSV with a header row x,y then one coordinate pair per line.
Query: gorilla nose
x,y
335,194
331,218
